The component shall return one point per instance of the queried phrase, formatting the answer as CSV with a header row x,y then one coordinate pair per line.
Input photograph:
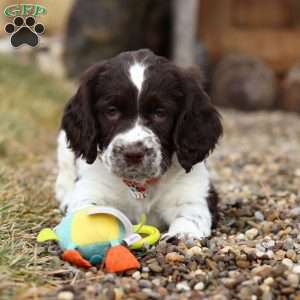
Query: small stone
x,y
296,269
267,226
288,244
280,254
89,274
245,292
65,295
199,272
155,267
156,282
145,284
268,243
194,251
293,279
119,294
145,275
262,271
109,278
93,269
190,243
136,275
199,286
291,254
269,281
145,269
150,294
259,216
295,212
174,257
287,262
230,282
162,291
251,234
266,292
182,286
243,264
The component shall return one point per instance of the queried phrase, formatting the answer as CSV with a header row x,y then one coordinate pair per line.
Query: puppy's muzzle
x,y
134,153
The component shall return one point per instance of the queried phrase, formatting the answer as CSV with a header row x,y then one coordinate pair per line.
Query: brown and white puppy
x,y
135,136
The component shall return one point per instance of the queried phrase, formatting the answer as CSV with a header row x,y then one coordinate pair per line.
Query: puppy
x,y
135,136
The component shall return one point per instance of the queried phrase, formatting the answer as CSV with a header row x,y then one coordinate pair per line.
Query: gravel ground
x,y
255,251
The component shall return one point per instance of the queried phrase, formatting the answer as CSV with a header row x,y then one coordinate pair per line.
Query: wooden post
x,y
185,15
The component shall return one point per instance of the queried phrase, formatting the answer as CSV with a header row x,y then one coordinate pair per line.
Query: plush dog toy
x,y
92,234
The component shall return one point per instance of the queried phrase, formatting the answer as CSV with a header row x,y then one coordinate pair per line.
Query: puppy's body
x,y
139,117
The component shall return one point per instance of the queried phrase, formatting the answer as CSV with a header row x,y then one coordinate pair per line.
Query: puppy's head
x,y
135,111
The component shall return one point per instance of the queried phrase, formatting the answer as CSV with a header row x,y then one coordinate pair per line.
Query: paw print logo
x,y
24,32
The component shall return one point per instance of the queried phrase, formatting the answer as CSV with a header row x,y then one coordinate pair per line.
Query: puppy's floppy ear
x,y
79,122
198,127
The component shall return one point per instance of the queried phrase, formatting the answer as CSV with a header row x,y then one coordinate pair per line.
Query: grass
x,y
30,109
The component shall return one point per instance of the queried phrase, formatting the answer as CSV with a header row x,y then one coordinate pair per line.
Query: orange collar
x,y
139,190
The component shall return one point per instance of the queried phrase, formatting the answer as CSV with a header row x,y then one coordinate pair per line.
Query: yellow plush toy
x,y
92,234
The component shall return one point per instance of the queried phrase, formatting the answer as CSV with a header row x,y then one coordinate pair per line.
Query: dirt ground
x,y
253,254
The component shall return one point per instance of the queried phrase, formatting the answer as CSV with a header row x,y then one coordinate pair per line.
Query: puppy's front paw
x,y
184,236
185,229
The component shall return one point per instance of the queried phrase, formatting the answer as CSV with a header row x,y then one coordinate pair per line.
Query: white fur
x,y
138,133
136,72
178,200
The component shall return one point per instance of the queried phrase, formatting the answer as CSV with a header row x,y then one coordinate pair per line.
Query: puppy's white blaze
x,y
137,133
136,72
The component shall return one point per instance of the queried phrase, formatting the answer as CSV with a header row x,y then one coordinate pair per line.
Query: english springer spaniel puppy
x,y
135,137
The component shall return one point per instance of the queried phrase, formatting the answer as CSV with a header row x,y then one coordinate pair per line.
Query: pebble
x,y
251,234
182,286
267,226
109,278
262,271
243,264
155,267
293,279
287,262
194,251
295,212
296,269
65,295
174,257
145,269
269,281
118,294
280,254
268,243
145,283
291,254
259,216
136,275
190,243
199,286
288,244
156,281
230,282
266,292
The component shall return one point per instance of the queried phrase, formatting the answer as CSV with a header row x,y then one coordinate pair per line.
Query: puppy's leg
x,y
66,177
189,220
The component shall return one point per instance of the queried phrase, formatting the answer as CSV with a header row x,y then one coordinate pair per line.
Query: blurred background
x,y
249,50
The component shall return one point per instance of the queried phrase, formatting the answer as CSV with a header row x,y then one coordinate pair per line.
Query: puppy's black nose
x,y
134,156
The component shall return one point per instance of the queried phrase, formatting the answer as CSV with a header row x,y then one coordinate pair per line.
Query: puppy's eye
x,y
113,113
159,114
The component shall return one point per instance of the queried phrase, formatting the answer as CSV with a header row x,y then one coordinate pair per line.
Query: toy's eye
x,y
113,113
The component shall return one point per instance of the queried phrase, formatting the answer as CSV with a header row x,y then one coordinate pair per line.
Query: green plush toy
x,y
92,234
